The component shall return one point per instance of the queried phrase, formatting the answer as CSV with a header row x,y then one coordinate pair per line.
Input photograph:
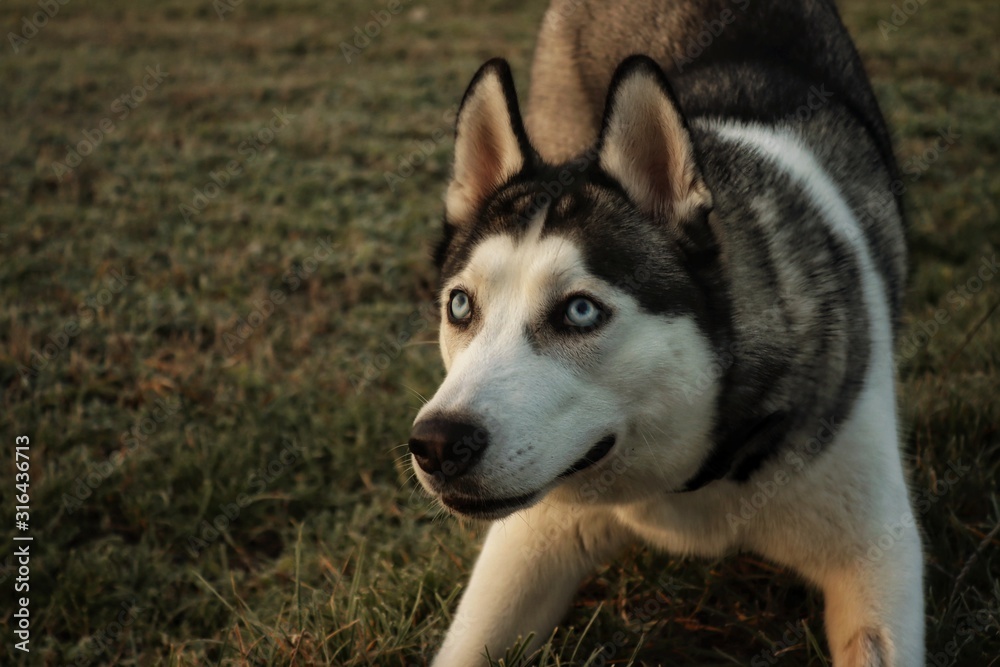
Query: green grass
x,y
324,552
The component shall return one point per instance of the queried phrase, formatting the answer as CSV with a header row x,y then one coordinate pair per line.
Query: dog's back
x,y
753,60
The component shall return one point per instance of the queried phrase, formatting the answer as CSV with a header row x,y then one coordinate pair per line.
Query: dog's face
x,y
572,319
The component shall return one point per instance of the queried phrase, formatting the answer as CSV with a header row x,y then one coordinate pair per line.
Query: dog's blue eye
x,y
460,307
582,312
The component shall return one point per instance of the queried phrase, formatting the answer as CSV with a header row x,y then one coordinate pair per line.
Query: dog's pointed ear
x,y
490,142
645,144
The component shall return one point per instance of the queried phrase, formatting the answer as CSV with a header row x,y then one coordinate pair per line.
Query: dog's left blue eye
x,y
582,312
459,308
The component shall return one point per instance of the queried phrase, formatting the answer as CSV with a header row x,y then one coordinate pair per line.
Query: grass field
x,y
214,282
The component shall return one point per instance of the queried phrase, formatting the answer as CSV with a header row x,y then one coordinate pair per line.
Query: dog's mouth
x,y
596,453
497,508
487,508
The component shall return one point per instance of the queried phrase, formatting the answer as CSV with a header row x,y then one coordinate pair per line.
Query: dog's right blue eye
x,y
459,308
582,312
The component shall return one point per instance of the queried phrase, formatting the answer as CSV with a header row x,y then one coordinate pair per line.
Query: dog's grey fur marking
x,y
800,332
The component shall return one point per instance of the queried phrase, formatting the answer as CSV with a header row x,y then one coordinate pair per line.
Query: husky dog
x,y
668,306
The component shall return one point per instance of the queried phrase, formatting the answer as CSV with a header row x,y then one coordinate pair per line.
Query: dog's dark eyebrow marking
x,y
561,192
522,204
565,205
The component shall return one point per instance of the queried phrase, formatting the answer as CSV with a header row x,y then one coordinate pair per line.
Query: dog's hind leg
x,y
524,579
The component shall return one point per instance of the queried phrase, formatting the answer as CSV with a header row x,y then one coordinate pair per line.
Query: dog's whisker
x,y
416,393
649,446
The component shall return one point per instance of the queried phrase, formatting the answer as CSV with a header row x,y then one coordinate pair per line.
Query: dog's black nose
x,y
447,447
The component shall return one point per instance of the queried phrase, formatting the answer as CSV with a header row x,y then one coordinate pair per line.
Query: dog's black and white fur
x,y
671,298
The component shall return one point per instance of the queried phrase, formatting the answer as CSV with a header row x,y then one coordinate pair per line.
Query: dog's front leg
x,y
525,577
874,608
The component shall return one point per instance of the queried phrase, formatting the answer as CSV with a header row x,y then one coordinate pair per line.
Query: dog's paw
x,y
870,647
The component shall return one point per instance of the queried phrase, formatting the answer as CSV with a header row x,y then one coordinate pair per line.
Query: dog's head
x,y
575,307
